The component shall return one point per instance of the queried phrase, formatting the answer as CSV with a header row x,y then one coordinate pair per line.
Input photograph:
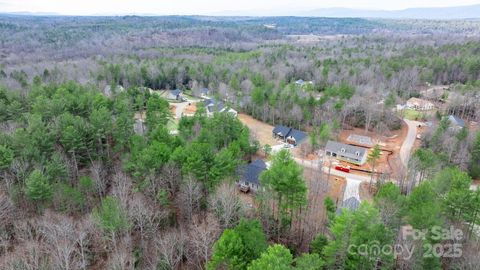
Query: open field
x,y
259,130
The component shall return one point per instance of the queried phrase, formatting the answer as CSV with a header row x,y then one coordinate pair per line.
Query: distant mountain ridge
x,y
441,13
432,13
429,13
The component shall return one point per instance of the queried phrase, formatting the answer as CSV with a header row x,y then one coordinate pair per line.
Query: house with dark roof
x,y
289,135
175,94
204,92
250,175
212,106
349,153
456,123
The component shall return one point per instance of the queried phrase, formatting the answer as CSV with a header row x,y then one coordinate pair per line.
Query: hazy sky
x,y
89,7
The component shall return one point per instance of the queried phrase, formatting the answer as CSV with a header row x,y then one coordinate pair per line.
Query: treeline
x,y
74,171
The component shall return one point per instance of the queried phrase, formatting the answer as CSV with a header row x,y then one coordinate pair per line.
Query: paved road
x,y
347,176
407,145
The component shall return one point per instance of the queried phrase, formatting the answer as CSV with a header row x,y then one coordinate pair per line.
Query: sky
x,y
207,7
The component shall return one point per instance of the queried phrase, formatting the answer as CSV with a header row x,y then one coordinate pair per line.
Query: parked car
x,y
342,168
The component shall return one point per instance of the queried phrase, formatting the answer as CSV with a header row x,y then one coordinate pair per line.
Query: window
x,y
342,150
357,153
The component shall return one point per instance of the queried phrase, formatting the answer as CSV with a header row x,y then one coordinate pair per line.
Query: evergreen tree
x,y
276,257
372,158
474,166
6,157
237,247
110,217
37,187
284,179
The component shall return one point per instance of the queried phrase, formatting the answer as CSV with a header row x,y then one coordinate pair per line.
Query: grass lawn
x,y
413,114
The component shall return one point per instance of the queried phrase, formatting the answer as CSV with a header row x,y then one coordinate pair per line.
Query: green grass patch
x,y
413,114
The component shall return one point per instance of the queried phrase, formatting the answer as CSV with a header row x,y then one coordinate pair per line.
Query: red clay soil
x,y
391,142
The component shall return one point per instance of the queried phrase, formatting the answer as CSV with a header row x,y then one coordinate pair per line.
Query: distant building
x,y
456,123
349,153
212,106
249,175
175,94
204,93
419,104
289,135
302,82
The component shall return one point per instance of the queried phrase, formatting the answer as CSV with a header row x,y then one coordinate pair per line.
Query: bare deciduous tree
x,y
201,237
189,197
170,248
227,205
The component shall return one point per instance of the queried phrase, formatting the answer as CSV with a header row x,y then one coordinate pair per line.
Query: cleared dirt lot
x,y
260,130
390,159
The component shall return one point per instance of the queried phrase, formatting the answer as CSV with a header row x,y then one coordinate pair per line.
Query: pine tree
x,y
373,157
37,187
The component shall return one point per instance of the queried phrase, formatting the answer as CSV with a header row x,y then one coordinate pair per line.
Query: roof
x,y
297,135
456,120
252,171
176,92
204,91
350,150
360,139
281,130
300,82
289,132
213,105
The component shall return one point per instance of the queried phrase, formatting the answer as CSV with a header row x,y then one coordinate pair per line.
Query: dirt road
x,y
407,145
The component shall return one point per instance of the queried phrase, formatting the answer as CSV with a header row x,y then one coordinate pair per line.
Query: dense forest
x,y
80,189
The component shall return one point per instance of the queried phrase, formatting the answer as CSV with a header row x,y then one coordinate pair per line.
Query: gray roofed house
x,y
296,136
281,131
250,174
456,123
350,153
175,94
213,106
289,135
204,92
